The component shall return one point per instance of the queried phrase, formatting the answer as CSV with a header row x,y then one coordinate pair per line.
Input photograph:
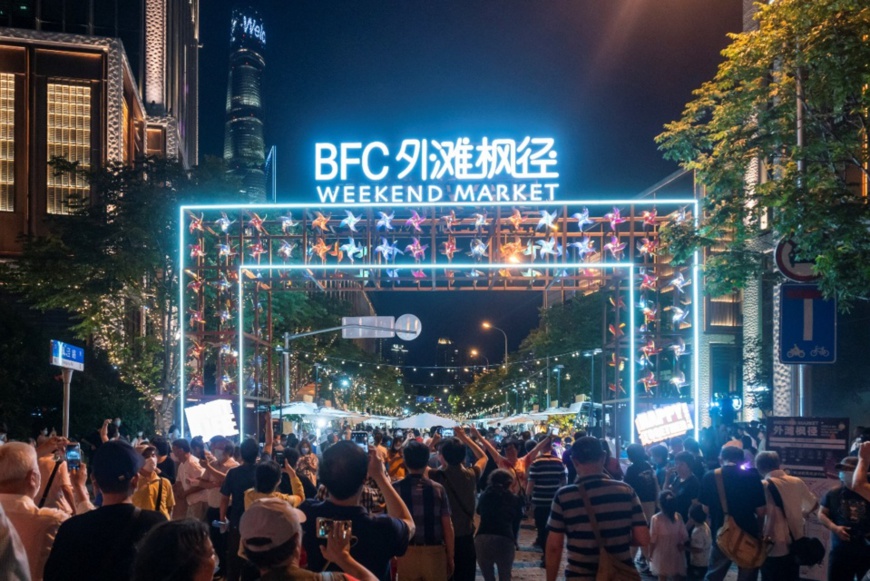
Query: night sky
x,y
600,76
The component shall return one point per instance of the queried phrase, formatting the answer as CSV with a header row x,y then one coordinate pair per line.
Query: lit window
x,y
7,142
69,137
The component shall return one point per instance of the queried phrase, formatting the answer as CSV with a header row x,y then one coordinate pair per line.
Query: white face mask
x,y
150,465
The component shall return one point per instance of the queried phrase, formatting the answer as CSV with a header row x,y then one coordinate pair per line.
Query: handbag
x,y
609,567
745,550
806,551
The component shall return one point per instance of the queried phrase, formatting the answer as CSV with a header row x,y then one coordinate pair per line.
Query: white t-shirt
x,y
701,539
189,474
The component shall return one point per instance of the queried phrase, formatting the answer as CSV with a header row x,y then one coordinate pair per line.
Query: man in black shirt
x,y
684,483
238,480
101,544
165,463
378,538
744,494
847,515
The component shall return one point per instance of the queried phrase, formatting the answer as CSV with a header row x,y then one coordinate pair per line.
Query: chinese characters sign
x,y
430,170
808,447
663,423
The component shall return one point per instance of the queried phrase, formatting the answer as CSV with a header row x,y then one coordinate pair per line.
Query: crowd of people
x,y
378,504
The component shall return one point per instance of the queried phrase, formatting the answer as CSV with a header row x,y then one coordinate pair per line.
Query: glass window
x,y
69,137
7,142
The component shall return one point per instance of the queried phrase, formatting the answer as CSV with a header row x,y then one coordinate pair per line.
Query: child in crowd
x,y
700,543
668,538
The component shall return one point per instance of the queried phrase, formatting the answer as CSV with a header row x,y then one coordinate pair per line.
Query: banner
x,y
663,423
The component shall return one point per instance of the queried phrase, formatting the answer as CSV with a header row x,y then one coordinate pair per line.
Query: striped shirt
x,y
547,474
617,510
427,502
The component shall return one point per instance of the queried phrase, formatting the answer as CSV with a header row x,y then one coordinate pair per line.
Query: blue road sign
x,y
66,355
808,325
425,399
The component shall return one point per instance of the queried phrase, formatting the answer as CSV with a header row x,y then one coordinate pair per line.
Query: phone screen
x,y
361,439
73,457
554,431
447,433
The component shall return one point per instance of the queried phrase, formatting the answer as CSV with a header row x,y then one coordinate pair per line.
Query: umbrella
x,y
425,420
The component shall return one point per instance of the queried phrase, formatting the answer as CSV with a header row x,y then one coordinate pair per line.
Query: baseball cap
x,y
269,523
115,461
847,464
586,450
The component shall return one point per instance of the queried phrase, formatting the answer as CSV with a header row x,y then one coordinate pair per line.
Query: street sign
x,y
790,266
408,327
367,327
808,325
68,356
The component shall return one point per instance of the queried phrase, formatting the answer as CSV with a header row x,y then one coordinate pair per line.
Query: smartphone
x,y
554,431
447,433
325,526
361,439
73,457
279,458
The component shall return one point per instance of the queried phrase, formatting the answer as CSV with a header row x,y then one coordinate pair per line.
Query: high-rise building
x,y
74,79
244,146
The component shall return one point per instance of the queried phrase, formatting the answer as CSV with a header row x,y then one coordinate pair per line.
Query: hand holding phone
x,y
361,439
73,457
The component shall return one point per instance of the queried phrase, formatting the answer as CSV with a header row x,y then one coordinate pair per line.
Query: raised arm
x,y
270,434
530,457
479,454
859,480
395,505
487,445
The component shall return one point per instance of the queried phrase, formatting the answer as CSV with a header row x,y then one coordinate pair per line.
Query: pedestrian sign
x,y
808,325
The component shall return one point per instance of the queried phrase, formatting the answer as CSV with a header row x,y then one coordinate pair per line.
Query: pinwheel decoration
x,y
616,330
255,222
649,350
649,217
505,273
679,317
221,283
224,223
649,315
385,221
478,249
196,317
287,222
320,249
449,248
649,282
286,250
550,247
321,221
387,250
337,252
617,362
393,272
196,251
532,273
531,250
350,221
546,221
678,348
196,283
516,219
449,221
510,251
649,382
584,247
418,274
679,281
680,215
226,251
678,380
648,246
196,349
417,250
617,303
583,219
614,218
256,250
352,250
195,223
615,247
415,220
474,273
479,221
614,387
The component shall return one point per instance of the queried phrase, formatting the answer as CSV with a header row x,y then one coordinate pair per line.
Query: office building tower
x,y
244,146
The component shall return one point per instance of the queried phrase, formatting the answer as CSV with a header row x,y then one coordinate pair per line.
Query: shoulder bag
x,y
48,485
462,506
745,550
806,551
609,567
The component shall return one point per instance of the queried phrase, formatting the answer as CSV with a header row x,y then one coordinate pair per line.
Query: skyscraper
x,y
244,147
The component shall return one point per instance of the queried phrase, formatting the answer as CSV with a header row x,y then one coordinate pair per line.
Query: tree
x,y
112,265
807,56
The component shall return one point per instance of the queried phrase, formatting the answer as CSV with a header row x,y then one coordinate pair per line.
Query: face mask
x,y
218,455
150,465
305,451
118,423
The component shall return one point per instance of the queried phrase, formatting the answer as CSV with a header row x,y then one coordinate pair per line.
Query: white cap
x,y
269,523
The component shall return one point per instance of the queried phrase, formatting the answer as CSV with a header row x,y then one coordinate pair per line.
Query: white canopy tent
x,y
425,420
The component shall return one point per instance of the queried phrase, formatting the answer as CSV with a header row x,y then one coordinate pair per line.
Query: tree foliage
x,y
811,55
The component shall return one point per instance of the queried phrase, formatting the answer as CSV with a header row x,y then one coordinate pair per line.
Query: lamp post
x,y
557,369
475,353
487,325
592,353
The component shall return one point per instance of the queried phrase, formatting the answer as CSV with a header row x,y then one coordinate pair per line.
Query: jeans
x,y
719,565
464,558
492,551
847,561
542,513
783,568
218,539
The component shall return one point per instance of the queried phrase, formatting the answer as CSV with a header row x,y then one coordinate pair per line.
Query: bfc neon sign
x,y
430,170
251,26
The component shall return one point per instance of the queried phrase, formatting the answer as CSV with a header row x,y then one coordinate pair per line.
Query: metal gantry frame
x,y
500,228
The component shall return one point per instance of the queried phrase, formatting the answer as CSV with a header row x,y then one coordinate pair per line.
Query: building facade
x,y
244,145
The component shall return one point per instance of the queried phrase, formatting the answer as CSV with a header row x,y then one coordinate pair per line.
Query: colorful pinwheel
x,y
583,219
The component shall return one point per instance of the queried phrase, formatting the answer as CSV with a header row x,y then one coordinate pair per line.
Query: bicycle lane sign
x,y
808,325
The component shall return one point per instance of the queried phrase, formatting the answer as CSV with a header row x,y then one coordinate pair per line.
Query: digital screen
x,y
663,423
215,418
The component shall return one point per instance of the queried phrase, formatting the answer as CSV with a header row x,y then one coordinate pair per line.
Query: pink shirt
x,y
36,528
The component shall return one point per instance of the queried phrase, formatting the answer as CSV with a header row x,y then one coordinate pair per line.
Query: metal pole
x,y
592,393
559,387
286,367
548,382
67,378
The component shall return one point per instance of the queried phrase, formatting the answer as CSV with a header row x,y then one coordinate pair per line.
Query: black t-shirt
x,y
168,469
238,480
378,538
744,492
642,478
847,508
500,513
685,491
566,460
100,544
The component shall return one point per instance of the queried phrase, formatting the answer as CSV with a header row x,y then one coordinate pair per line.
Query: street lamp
x,y
487,325
592,353
557,369
475,353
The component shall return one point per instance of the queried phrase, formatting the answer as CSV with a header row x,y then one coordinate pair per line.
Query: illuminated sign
x,y
430,171
663,423
251,26
214,418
